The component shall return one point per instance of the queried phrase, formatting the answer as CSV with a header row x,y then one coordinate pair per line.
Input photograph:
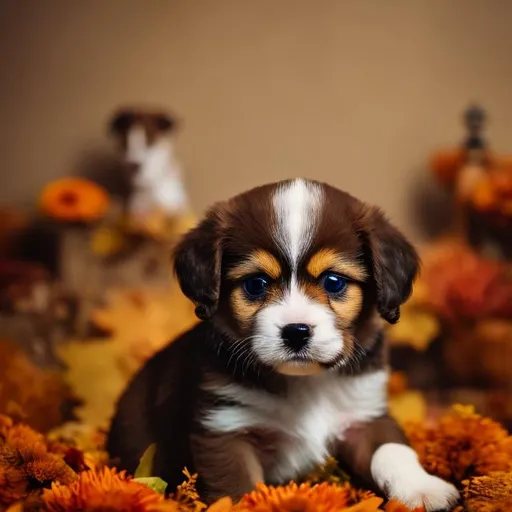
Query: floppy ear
x,y
197,265
393,261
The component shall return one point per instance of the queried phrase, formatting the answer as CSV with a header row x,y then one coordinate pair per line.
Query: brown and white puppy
x,y
148,152
293,281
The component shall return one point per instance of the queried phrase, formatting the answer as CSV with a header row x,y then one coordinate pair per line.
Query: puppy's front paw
x,y
424,490
397,471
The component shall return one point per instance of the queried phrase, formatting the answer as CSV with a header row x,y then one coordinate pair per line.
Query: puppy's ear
x,y
121,122
393,261
197,265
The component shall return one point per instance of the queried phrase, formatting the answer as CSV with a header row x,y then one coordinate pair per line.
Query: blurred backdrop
x,y
355,93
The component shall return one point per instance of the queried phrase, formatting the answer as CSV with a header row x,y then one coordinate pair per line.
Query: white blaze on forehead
x,y
297,207
136,144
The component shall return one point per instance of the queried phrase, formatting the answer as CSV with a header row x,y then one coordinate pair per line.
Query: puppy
x,y
293,282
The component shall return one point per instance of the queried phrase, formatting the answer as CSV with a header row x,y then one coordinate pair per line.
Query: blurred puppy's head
x,y
139,131
290,271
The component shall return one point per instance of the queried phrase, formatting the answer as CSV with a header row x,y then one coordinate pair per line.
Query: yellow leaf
x,y
408,406
95,377
145,467
415,328
154,483
140,323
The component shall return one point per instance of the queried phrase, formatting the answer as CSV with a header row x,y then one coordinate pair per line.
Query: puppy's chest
x,y
300,425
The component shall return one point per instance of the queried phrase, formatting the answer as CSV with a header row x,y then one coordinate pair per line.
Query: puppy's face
x,y
290,270
139,131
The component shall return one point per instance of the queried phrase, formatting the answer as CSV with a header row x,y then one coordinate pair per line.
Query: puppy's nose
x,y
296,336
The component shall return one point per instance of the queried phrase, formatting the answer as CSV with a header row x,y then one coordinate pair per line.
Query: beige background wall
x,y
357,93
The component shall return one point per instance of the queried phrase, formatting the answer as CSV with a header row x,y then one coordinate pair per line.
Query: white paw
x,y
397,471
428,491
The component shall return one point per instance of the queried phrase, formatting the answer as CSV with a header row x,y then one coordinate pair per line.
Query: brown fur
x,y
231,462
155,123
361,441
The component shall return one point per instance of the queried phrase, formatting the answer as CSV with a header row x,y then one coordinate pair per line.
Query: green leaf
x,y
154,483
145,467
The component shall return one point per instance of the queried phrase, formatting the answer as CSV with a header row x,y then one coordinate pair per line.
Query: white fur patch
x,y
136,145
297,206
158,182
397,471
325,344
315,411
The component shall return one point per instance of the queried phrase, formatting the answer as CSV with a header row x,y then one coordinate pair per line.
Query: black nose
x,y
296,336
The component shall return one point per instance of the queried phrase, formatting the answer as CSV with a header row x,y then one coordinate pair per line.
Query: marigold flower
x,y
492,493
396,506
74,200
463,285
461,445
26,465
106,489
305,497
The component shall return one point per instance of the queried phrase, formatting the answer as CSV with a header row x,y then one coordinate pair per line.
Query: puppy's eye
x,y
256,286
333,283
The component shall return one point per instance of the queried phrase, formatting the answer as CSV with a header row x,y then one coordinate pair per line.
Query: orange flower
x,y
396,506
494,193
462,284
26,466
492,493
105,489
74,200
463,444
323,497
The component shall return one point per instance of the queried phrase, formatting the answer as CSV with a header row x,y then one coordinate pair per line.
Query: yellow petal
x,y
222,505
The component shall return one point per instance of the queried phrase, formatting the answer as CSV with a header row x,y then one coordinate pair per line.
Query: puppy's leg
x,y
378,452
227,464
